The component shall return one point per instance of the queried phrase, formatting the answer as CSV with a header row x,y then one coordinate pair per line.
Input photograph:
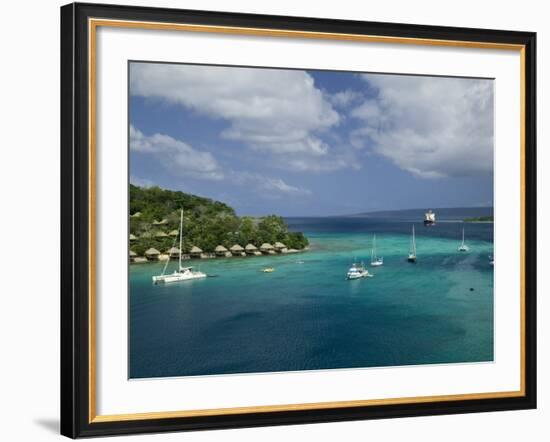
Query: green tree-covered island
x,y
207,225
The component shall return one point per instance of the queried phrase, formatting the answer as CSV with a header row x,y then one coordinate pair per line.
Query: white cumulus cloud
x,y
281,186
270,184
430,126
270,109
180,159
175,155
344,98
141,182
280,112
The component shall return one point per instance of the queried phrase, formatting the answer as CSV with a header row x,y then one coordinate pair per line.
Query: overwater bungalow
x,y
195,252
152,254
174,232
267,248
251,249
132,237
161,234
222,251
237,250
280,247
173,252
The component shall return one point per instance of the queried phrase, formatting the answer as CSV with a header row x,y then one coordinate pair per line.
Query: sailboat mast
x,y
414,243
462,235
181,236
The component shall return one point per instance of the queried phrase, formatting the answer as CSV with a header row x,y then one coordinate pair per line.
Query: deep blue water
x,y
307,316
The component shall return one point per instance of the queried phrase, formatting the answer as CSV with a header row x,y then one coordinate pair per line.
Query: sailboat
x,y
374,260
412,250
182,273
463,247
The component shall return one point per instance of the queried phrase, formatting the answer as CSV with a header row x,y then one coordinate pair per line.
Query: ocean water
x,y
307,316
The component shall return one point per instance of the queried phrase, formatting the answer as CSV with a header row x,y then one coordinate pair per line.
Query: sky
x,y
311,143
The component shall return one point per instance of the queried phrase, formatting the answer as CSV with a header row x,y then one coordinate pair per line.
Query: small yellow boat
x,y
268,270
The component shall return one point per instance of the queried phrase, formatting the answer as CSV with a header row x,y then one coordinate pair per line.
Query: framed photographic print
x,y
275,220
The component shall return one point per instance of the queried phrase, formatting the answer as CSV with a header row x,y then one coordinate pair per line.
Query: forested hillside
x,y
155,218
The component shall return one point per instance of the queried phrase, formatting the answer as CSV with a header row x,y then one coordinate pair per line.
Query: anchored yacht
x,y
182,273
429,218
357,271
463,247
375,261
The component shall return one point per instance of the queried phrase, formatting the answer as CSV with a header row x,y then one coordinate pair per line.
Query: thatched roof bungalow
x,y
251,249
222,251
132,237
280,247
161,234
195,252
152,253
132,254
174,233
160,223
136,215
267,248
174,252
237,249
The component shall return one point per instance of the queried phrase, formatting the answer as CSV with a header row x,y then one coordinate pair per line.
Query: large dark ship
x,y
429,218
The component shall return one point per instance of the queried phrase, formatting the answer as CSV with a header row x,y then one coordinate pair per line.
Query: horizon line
x,y
369,212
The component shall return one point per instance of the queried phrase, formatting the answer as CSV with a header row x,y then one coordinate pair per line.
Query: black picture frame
x,y
75,220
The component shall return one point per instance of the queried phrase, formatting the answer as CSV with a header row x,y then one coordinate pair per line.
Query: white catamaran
x,y
463,247
412,250
183,273
374,260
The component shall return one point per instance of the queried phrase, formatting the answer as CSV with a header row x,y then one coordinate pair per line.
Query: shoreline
x,y
208,256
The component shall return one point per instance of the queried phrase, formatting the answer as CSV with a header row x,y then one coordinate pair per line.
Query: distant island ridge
x,y
442,213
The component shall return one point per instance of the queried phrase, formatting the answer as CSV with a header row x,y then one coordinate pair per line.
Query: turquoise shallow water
x,y
308,316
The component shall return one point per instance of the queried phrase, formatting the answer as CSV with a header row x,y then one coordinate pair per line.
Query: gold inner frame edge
x,y
93,24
